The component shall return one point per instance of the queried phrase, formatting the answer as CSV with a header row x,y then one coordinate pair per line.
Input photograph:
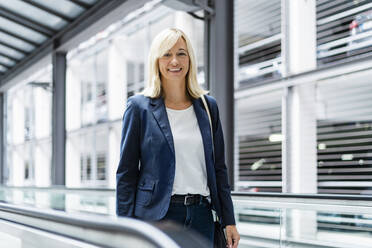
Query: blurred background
x,y
296,106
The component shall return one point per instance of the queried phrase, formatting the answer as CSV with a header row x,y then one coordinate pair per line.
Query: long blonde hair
x,y
163,42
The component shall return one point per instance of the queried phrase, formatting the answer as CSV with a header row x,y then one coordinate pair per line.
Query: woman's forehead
x,y
180,44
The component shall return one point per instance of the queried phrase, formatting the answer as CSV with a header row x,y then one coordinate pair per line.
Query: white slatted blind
x,y
259,28
344,135
259,129
337,41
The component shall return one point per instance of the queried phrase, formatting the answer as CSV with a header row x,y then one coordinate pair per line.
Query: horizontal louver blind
x,y
259,131
259,27
344,136
344,30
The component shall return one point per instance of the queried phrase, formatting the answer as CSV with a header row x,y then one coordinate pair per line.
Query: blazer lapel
x,y
160,114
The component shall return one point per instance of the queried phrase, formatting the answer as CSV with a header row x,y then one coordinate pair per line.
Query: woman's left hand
x,y
232,236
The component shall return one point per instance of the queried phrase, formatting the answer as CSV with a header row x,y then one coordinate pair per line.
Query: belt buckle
x,y
185,201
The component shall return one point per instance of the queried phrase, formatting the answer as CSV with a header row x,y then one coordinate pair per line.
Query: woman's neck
x,y
175,95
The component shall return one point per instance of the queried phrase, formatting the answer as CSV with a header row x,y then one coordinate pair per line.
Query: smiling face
x,y
174,64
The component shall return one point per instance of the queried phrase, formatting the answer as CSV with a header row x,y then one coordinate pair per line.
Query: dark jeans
x,y
197,217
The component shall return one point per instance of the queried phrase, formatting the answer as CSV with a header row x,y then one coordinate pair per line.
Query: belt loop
x,y
185,201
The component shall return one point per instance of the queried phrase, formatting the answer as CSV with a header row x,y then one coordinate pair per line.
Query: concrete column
x,y
116,93
2,138
59,119
299,163
220,62
299,115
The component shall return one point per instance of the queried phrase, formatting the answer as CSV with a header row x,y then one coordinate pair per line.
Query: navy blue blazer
x,y
145,175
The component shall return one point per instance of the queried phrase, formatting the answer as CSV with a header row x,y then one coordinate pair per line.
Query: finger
x,y
236,242
236,239
229,240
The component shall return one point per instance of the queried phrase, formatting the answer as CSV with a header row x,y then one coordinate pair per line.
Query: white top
x,y
191,172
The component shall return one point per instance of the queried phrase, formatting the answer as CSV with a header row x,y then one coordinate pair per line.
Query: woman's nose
x,y
174,60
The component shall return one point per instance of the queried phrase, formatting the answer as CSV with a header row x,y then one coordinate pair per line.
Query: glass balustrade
x,y
263,219
283,221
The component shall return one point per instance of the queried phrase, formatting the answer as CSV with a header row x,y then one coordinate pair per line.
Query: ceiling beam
x,y
80,4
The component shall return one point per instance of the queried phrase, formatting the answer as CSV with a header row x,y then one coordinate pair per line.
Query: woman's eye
x,y
167,55
182,54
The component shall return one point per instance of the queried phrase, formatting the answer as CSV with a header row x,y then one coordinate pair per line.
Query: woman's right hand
x,y
232,236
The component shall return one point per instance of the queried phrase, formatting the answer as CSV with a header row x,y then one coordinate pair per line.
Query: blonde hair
x,y
163,42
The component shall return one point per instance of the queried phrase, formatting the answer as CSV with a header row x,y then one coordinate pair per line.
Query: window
x,y
82,172
343,30
131,78
29,110
85,168
141,72
101,103
86,88
130,73
84,118
260,135
344,135
27,170
27,123
28,163
93,77
93,152
101,167
89,168
258,24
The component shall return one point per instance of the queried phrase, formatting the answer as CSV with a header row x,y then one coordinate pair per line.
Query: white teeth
x,y
175,69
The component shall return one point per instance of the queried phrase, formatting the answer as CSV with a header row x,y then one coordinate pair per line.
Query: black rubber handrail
x,y
161,235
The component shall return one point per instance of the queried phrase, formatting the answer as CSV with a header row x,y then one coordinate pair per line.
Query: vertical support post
x,y
207,49
221,72
299,173
2,138
236,86
59,119
299,115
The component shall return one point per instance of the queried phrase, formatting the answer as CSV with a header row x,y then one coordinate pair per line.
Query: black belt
x,y
189,199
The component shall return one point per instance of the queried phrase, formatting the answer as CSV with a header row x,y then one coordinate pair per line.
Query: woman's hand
x,y
232,236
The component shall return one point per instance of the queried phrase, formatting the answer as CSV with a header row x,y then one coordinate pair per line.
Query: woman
x,y
167,169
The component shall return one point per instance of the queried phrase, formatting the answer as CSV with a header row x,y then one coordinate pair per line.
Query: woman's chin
x,y
175,76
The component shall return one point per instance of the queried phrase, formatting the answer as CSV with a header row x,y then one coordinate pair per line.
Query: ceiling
x,y
28,24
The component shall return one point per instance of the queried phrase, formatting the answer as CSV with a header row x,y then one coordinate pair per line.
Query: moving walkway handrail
x,y
59,189
99,230
320,202
363,198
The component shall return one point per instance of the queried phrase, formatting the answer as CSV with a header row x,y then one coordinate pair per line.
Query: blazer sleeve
x,y
223,187
128,170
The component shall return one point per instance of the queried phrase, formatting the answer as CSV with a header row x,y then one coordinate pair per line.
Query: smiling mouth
x,y
175,70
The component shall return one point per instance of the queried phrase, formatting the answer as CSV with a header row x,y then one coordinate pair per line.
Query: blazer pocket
x,y
144,192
